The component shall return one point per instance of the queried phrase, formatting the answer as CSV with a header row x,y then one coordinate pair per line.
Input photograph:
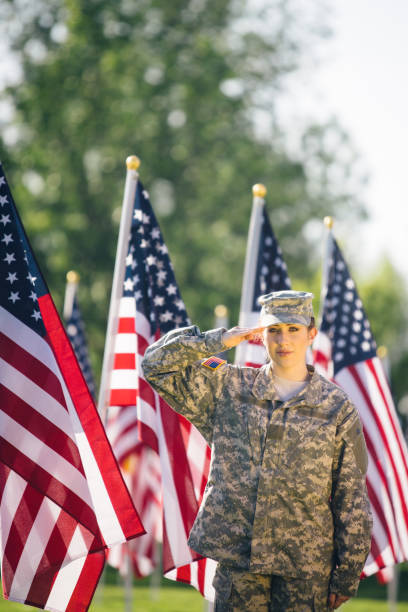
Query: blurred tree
x,y
190,86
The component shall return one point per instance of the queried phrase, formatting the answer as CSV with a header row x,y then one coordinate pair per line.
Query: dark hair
x,y
312,323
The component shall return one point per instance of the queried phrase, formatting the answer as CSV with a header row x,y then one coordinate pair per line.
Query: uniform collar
x,y
264,388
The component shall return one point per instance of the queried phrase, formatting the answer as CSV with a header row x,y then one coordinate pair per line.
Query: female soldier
x,y
285,510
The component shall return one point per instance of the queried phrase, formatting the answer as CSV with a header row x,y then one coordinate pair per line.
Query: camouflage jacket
x,y
286,492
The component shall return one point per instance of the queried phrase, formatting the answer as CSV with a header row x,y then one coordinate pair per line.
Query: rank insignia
x,y
213,363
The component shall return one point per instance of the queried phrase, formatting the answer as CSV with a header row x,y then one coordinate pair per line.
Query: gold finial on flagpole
x,y
328,222
259,190
132,162
221,311
72,276
382,352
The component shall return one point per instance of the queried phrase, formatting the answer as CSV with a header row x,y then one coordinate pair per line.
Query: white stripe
x,y
41,454
146,414
172,514
27,339
127,307
123,379
125,344
209,591
102,504
13,491
197,455
34,548
36,397
68,576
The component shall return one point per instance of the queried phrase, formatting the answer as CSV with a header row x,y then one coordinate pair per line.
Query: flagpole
x,y
70,292
328,224
248,282
132,165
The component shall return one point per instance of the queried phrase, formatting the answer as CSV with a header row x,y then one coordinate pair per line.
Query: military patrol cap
x,y
286,307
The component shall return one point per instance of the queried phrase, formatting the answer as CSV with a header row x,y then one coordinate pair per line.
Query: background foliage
x,y
191,87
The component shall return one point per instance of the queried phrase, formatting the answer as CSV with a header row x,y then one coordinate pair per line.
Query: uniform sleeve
x,y
350,504
173,367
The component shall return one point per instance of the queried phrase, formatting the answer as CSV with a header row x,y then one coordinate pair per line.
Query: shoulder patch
x,y
213,362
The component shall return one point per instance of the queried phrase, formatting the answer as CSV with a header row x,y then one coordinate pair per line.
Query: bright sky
x,y
363,80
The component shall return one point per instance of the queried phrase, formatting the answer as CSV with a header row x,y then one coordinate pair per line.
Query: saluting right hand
x,y
236,334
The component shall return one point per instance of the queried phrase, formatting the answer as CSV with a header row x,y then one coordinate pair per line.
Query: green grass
x,y
175,597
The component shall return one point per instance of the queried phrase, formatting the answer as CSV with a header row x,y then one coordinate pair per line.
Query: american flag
x,y
76,333
268,274
151,305
62,498
345,351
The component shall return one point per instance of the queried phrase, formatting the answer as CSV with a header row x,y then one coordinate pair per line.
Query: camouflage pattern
x,y
286,307
286,492
238,591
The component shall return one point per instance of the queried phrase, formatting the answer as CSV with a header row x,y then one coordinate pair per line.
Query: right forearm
x,y
180,348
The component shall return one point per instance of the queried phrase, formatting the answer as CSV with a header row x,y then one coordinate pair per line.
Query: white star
x,y
7,238
14,296
33,296
179,304
9,258
136,278
144,244
155,233
3,200
161,275
145,193
268,241
12,276
163,249
146,218
5,219
129,259
158,300
36,315
128,284
166,316
151,260
2,180
171,289
138,215
32,279
138,295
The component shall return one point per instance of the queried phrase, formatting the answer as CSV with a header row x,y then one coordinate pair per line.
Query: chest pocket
x,y
308,442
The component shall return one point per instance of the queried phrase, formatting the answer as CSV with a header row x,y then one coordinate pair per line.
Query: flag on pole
x,y
149,306
62,498
265,271
76,329
345,351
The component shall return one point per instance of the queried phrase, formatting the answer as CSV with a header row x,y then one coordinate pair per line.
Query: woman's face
x,y
287,344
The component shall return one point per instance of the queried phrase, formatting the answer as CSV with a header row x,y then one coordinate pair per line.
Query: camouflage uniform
x,y
286,492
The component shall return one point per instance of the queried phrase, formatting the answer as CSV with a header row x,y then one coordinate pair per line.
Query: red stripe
x,y
124,361
142,344
47,485
397,432
40,427
201,569
32,368
90,420
146,393
88,581
126,325
20,528
148,436
252,364
184,574
52,559
123,397
180,467
376,504
367,399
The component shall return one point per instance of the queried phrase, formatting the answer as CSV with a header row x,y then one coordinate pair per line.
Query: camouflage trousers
x,y
238,591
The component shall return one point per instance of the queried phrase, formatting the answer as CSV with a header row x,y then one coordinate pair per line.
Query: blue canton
x,y
149,276
344,319
21,281
76,333
271,272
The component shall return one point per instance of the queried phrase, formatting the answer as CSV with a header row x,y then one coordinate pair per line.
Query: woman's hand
x,y
235,335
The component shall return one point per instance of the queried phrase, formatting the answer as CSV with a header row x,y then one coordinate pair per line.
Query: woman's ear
x,y
312,333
